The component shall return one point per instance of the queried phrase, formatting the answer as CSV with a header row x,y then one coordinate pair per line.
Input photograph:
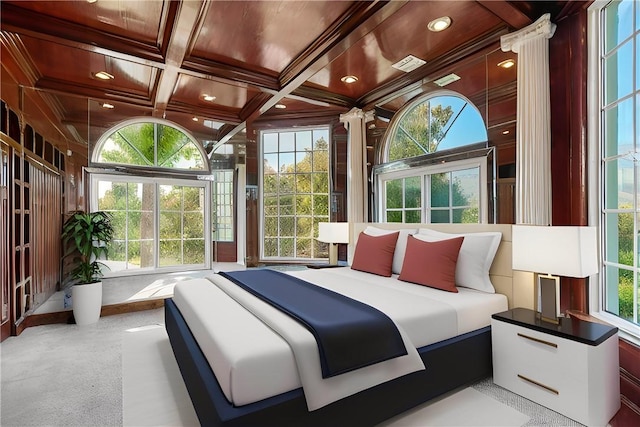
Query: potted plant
x,y
85,236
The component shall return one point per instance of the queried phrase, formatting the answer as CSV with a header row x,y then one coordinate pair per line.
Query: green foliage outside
x,y
420,131
296,199
625,257
132,205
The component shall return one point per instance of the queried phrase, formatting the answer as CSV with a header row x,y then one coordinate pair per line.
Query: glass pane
x,y
303,205
147,253
440,190
287,227
270,247
270,184
320,183
287,142
618,135
133,254
440,216
619,238
193,198
286,163
619,73
618,188
170,225
393,190
270,163
394,216
303,183
466,187
271,226
615,279
271,206
193,225
303,141
170,253
119,222
270,143
194,251
321,161
287,183
413,192
320,205
304,227
303,248
133,225
287,248
618,21
287,205
465,216
413,217
170,197
321,138
303,161
136,192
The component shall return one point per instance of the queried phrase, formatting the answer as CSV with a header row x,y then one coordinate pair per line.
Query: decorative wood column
x,y
533,132
355,122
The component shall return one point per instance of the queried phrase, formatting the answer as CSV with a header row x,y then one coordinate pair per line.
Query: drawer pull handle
x,y
550,344
552,390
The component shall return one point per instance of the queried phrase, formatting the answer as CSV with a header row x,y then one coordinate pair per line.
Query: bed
x,y
236,382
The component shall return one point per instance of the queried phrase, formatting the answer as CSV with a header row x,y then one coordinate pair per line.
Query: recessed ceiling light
x,y
507,63
103,75
280,106
91,1
505,132
195,119
107,105
349,79
208,98
439,24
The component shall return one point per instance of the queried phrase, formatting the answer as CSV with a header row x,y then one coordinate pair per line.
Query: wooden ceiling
x,y
250,55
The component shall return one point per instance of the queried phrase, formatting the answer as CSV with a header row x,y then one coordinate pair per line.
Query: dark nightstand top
x,y
570,327
318,266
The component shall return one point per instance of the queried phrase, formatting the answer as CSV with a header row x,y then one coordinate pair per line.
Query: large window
x,y
160,217
157,223
615,55
434,166
295,192
222,209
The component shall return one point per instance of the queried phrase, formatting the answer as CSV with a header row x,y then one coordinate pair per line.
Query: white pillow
x,y
475,258
401,243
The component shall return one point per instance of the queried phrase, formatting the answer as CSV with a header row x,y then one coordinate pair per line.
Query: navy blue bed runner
x,y
349,333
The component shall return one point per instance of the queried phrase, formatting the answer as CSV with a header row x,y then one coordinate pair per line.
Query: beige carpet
x,y
155,395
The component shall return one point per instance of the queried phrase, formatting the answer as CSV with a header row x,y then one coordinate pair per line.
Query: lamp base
x,y
333,254
549,298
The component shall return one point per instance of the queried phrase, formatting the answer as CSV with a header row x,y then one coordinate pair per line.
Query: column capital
x,y
543,27
357,113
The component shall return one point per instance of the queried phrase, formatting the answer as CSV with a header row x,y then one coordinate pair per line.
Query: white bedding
x,y
252,362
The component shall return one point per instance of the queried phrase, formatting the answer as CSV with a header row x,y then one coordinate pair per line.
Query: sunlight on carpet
x,y
155,395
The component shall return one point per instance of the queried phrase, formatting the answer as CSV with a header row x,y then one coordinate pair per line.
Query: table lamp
x,y
569,251
333,233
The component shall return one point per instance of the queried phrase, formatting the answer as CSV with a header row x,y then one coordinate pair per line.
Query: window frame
x,y
424,171
596,185
261,195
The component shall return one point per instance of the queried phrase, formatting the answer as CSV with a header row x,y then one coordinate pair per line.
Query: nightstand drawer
x,y
578,379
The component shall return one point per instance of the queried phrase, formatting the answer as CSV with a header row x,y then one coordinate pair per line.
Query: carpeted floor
x,y
121,371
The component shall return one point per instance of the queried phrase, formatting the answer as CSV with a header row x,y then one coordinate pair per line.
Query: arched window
x,y
434,165
150,143
161,219
437,122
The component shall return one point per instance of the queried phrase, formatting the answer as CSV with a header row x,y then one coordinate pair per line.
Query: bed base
x,y
449,364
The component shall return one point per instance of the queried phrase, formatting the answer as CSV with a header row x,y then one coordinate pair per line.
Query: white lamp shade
x,y
333,232
569,251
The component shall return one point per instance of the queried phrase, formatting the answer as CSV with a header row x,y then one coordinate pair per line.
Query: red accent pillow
x,y
431,264
374,254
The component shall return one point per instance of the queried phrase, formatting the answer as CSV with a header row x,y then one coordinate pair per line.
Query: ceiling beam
x,y
504,10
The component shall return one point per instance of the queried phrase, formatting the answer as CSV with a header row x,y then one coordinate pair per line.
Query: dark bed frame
x,y
449,364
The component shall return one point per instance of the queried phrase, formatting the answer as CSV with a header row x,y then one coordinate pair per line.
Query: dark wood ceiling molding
x,y
229,73
166,21
21,58
218,114
182,31
507,12
324,96
253,108
466,53
65,88
359,19
23,21
299,118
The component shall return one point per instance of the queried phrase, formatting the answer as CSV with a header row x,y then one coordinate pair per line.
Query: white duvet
x,y
253,361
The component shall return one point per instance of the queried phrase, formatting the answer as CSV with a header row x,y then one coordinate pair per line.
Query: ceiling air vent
x,y
449,78
408,64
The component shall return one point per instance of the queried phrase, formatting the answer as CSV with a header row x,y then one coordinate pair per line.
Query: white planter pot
x,y
87,302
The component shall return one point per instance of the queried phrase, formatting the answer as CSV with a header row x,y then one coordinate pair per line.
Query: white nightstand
x,y
572,367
